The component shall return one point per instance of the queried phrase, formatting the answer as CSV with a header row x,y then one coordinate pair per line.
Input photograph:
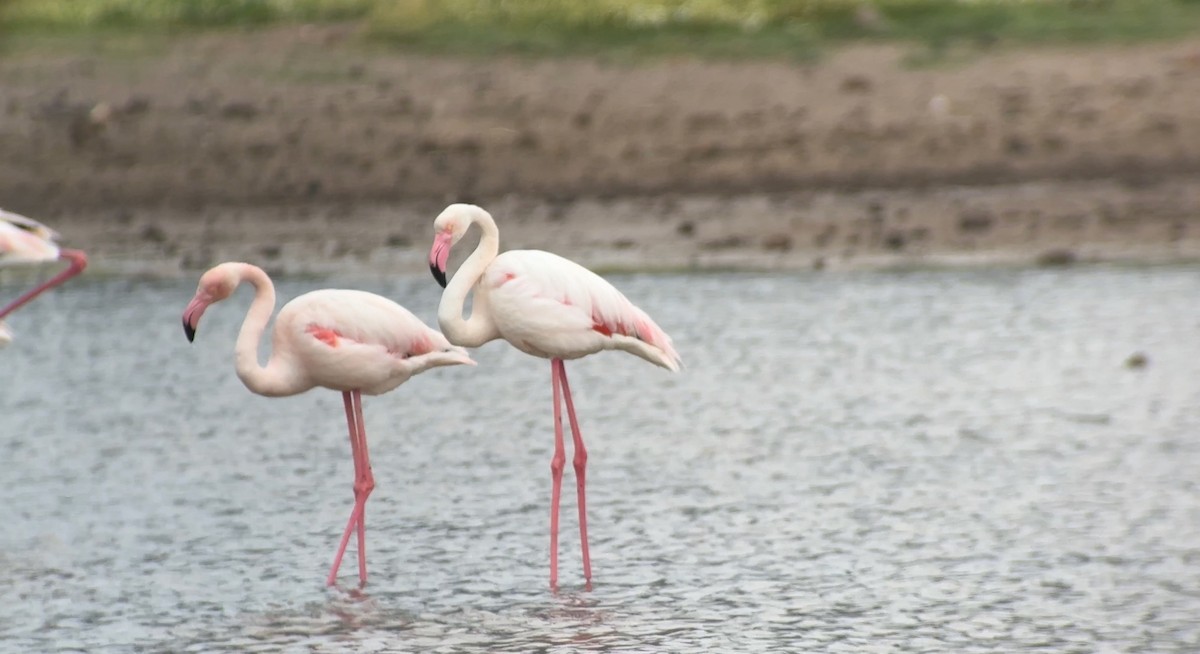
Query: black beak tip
x,y
189,331
438,274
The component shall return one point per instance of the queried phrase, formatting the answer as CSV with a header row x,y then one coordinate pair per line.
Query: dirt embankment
x,y
303,150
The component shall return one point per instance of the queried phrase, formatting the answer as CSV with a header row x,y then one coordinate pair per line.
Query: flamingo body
x,y
348,340
24,240
345,340
554,308
546,306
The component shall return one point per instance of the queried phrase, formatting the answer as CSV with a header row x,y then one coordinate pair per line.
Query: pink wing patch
x,y
420,344
636,326
327,336
610,326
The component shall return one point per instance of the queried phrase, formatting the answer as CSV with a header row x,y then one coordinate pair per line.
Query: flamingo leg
x,y
77,260
556,471
362,489
355,514
580,463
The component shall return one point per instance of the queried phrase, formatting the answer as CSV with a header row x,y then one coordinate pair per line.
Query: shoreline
x,y
1043,223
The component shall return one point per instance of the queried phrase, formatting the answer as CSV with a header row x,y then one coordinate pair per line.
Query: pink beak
x,y
191,315
439,255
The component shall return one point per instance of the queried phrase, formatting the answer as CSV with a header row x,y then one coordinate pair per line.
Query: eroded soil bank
x,y
305,150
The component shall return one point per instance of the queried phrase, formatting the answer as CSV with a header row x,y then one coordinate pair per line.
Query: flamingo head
x,y
215,285
450,226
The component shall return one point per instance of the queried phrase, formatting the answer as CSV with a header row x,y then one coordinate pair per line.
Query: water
x,y
926,462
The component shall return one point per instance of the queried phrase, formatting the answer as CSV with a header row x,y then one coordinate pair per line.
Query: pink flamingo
x,y
23,240
348,341
546,306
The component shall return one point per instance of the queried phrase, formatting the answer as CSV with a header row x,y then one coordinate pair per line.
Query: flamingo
x,y
23,240
349,341
546,306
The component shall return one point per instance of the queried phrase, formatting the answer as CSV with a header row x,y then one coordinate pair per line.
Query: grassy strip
x,y
716,28
53,16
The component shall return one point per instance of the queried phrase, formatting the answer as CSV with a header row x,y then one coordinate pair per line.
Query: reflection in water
x,y
919,462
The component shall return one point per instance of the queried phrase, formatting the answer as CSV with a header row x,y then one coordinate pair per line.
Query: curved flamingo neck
x,y
78,261
276,378
478,328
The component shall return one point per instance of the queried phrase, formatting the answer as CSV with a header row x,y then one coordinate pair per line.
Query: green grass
x,y
163,15
713,28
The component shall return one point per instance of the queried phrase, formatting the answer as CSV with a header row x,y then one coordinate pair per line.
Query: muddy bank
x,y
1034,223
304,149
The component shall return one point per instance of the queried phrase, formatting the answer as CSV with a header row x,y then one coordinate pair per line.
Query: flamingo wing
x,y
353,340
339,318
552,306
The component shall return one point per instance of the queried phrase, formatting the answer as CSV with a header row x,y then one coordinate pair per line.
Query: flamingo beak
x,y
191,315
439,255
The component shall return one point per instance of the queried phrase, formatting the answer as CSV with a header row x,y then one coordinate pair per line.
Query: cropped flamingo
x,y
348,341
546,306
26,241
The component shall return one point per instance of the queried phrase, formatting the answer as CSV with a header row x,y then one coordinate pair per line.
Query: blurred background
x,y
167,135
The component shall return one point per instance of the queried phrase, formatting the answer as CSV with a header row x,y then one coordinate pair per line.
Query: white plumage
x,y
24,240
379,344
552,307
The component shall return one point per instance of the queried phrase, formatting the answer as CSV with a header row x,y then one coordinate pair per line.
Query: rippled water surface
x,y
923,462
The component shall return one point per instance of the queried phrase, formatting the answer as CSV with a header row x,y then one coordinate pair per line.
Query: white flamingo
x,y
348,341
546,306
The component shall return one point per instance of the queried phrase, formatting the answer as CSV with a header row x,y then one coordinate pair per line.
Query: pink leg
x,y
78,261
580,470
556,471
362,487
347,400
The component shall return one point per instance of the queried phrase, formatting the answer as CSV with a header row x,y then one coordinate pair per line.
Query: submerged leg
x,y
362,489
352,423
580,463
556,470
